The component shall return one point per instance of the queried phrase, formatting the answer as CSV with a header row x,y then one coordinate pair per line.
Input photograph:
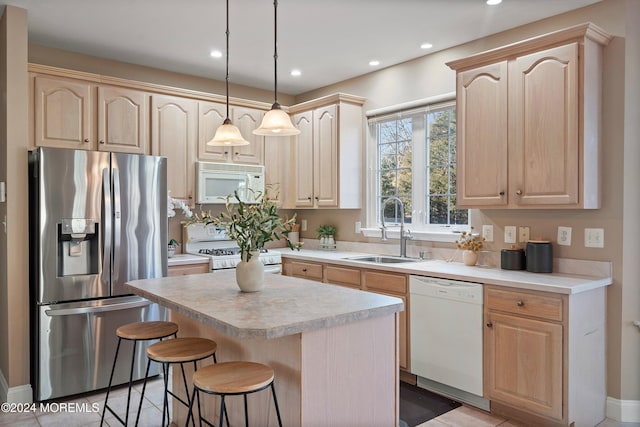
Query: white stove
x,y
223,253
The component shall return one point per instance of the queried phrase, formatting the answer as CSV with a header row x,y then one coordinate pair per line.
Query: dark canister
x,y
512,259
539,256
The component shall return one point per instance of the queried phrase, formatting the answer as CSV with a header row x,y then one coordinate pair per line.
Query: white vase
x,y
469,257
250,274
171,251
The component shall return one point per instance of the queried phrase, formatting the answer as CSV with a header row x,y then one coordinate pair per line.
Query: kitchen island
x,y
334,350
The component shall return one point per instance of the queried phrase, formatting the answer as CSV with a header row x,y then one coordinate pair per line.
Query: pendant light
x,y
276,122
228,134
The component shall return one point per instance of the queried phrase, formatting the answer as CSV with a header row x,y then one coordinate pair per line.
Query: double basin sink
x,y
382,259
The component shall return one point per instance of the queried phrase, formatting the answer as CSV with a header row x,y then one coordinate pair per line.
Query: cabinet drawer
x,y
375,280
183,270
306,269
525,303
342,276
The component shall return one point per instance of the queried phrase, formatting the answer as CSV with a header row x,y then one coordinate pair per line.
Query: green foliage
x,y
174,242
251,225
326,230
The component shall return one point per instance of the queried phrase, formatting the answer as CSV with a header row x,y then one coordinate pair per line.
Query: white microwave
x,y
216,181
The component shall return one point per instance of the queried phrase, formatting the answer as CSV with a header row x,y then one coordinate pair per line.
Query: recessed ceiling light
x,y
296,73
426,46
493,2
374,63
216,54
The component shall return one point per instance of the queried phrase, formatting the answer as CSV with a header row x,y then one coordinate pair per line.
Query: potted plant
x,y
326,234
471,244
251,225
171,248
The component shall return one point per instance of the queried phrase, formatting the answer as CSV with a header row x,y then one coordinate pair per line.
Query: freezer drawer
x,y
76,343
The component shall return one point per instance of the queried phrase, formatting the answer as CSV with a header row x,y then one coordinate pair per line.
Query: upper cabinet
x,y
327,154
211,115
63,113
79,114
529,122
173,135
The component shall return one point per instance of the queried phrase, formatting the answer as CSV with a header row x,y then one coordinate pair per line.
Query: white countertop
x,y
182,259
547,282
285,306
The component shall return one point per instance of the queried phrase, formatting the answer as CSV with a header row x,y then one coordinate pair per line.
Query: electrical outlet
x,y
487,232
594,237
303,225
358,227
523,234
510,234
564,236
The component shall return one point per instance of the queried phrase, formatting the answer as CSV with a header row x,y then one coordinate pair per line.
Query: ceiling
x,y
327,40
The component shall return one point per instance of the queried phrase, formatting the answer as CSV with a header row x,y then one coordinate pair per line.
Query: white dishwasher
x,y
446,337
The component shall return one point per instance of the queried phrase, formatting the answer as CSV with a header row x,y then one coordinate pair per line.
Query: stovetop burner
x,y
220,251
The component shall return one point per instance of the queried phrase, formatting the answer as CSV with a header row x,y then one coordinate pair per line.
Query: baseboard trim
x,y
19,394
626,411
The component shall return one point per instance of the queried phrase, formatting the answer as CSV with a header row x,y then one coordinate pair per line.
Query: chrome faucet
x,y
403,236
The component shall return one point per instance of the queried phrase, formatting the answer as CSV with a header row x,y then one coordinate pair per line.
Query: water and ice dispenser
x,y
78,247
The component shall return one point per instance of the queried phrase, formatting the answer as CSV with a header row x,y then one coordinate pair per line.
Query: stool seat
x,y
181,350
147,330
233,377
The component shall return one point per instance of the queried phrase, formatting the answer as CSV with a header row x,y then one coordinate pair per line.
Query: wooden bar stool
x,y
179,350
139,331
230,379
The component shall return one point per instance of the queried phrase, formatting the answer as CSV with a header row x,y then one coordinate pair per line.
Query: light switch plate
x,y
303,225
487,232
510,234
523,234
358,227
564,236
594,237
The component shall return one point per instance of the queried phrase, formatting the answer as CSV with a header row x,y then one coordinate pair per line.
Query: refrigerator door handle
x,y
117,224
107,237
97,309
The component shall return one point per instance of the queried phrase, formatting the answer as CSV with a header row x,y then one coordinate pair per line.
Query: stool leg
x,y
144,387
113,368
190,413
223,410
133,361
275,401
246,412
165,400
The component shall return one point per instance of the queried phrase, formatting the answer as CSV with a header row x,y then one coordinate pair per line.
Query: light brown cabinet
x,y
186,269
173,134
327,154
544,355
528,122
382,282
123,120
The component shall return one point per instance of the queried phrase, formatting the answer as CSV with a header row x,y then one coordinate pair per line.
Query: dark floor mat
x,y
418,405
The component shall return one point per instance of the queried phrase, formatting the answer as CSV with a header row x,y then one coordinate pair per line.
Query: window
x,y
415,161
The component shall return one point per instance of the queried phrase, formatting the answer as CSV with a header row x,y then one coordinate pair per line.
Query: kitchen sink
x,y
382,259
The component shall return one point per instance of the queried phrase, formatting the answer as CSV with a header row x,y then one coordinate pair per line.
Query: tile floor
x,y
152,413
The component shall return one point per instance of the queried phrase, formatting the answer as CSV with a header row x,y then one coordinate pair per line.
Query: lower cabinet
x,y
544,355
186,269
386,283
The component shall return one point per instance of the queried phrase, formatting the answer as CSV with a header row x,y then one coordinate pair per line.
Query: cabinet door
x,y
211,115
248,119
277,170
523,363
544,142
325,156
303,160
123,120
64,111
173,134
482,136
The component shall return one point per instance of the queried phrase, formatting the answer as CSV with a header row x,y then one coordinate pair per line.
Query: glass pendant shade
x,y
276,123
228,134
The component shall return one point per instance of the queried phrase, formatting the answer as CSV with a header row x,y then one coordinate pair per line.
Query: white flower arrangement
x,y
175,204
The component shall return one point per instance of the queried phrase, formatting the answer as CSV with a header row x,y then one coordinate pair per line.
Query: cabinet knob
x,y
101,142
502,193
316,197
520,303
519,192
304,270
309,198
489,324
226,152
86,140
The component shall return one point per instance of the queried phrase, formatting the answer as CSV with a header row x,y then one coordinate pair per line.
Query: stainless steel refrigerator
x,y
97,220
